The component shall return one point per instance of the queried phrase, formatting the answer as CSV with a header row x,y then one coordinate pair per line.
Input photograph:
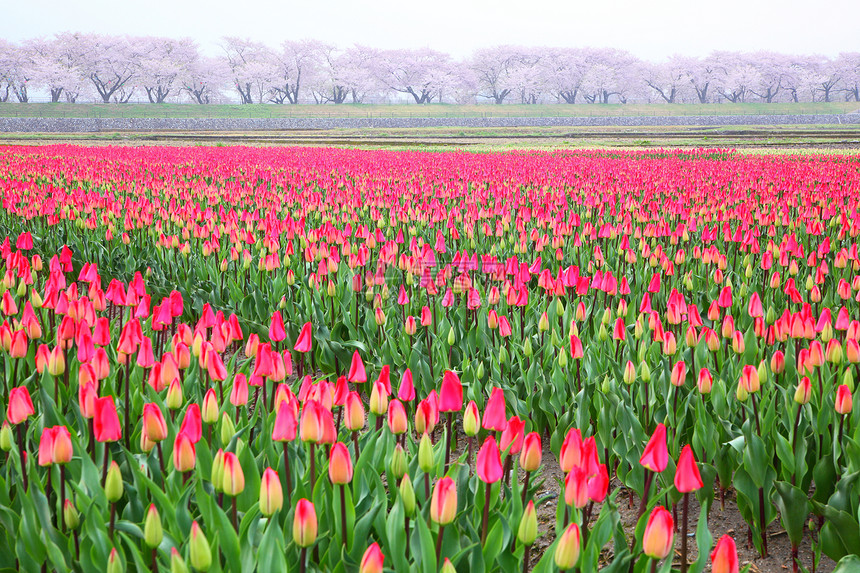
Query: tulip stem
x,y
355,442
427,488
22,455
407,537
486,518
62,496
313,465
653,566
649,476
112,519
160,459
303,557
526,559
684,533
92,444
287,474
343,513
235,515
439,542
448,446
762,524
154,560
127,403
755,411
526,487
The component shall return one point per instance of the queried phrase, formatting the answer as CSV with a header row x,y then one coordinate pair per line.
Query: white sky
x,y
650,29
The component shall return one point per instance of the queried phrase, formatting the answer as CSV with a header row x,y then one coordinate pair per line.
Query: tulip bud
x,y
228,429
271,493
425,454
527,532
372,560
305,524
530,455
114,564
177,563
398,464
113,483
742,393
407,495
217,475
234,478
844,403
644,372
5,436
184,454
209,411
174,398
340,465
659,534
70,515
629,375
443,506
152,530
471,419
567,550
201,553
724,557
447,567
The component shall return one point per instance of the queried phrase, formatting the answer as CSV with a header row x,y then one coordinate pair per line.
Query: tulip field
x,y
307,359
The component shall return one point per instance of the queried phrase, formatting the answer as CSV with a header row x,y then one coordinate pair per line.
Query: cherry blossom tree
x,y
296,63
204,78
849,66
16,71
492,67
252,66
669,79
610,73
109,63
562,71
421,73
161,63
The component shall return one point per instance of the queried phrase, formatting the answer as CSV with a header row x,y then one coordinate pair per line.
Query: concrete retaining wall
x,y
83,125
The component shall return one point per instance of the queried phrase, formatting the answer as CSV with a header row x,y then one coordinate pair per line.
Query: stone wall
x,y
84,125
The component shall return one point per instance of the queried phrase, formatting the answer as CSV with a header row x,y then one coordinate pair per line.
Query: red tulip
x,y
656,455
154,425
192,423
659,534
495,418
106,421
844,404
530,455
305,339
20,406
356,374
340,465
687,477
285,423
184,454
372,560
451,393
724,557
276,327
443,506
489,466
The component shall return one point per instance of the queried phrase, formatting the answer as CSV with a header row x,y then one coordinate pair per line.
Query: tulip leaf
x,y
425,550
270,555
793,507
703,542
848,564
493,544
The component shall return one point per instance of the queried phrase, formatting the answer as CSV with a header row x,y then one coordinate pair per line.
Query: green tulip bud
x,y
503,355
201,553
480,371
70,515
527,348
452,338
217,476
152,531
848,379
407,495
605,387
5,437
113,483
114,564
644,372
562,359
398,464
228,429
602,334
425,454
527,532
559,307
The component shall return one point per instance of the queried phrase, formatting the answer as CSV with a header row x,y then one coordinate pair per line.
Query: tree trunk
x,y
55,94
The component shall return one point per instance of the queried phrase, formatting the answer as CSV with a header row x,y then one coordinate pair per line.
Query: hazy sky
x,y
651,29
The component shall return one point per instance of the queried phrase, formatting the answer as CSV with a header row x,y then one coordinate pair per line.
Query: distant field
x,y
48,110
